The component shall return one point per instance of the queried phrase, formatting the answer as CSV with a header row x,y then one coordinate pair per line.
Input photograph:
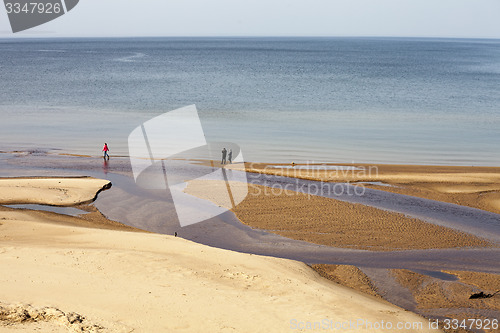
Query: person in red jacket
x,y
105,149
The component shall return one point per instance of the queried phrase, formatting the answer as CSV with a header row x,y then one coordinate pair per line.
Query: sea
x,y
283,100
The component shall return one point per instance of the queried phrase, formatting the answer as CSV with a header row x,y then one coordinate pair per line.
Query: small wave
x,y
131,58
58,51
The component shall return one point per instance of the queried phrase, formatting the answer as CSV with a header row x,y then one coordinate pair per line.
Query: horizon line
x,y
40,36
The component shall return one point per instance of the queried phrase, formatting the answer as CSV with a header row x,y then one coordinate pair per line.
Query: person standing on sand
x,y
230,156
105,149
224,152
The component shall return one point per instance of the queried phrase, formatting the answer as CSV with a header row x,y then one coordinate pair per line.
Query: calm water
x,y
424,101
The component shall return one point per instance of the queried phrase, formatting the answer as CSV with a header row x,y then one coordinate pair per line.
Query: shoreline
x,y
456,164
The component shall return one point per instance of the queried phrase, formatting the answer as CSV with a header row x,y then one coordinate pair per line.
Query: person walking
x,y
105,149
230,156
224,152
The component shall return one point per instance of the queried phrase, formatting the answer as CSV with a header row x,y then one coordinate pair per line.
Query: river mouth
x,y
154,210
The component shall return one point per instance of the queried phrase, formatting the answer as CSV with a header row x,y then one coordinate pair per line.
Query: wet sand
x,y
451,298
347,275
331,222
477,187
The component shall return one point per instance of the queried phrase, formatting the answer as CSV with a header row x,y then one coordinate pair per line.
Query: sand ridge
x,y
477,187
331,222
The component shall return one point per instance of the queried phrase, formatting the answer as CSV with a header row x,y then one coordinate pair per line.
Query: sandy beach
x,y
72,277
108,254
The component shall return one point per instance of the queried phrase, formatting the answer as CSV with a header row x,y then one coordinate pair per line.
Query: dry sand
x,y
332,222
477,187
50,191
83,279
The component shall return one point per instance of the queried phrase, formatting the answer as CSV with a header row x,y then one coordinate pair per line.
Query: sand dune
x,y
123,280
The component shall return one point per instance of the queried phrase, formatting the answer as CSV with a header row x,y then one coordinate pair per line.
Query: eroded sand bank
x,y
50,191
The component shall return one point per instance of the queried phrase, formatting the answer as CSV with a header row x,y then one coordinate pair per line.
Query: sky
x,y
402,18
